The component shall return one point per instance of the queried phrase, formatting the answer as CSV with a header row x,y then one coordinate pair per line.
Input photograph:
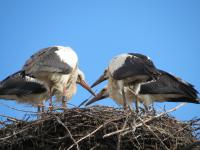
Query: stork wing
x,y
46,60
133,65
21,85
169,84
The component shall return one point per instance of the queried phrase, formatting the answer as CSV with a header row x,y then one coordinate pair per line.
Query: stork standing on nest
x,y
24,89
125,74
134,76
167,88
57,67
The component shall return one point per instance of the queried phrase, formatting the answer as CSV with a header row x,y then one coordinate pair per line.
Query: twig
x,y
11,118
26,128
119,136
19,109
154,134
145,121
93,132
5,138
88,135
60,122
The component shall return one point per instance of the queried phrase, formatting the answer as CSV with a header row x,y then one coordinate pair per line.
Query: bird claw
x,y
50,108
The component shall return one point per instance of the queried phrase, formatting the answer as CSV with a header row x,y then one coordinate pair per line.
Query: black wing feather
x,y
136,65
169,84
49,62
17,84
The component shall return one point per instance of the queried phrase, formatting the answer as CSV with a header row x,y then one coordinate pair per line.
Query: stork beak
x,y
87,87
101,79
101,95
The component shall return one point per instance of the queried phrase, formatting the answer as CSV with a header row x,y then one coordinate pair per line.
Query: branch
x,y
60,122
93,132
11,118
86,136
145,121
19,109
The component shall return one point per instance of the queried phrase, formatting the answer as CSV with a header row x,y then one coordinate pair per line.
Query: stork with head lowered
x,y
57,67
158,86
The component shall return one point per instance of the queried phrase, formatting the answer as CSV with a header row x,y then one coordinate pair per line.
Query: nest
x,y
99,128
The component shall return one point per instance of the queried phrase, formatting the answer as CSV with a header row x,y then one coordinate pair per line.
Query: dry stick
x,y
93,132
15,133
145,121
86,136
119,137
60,122
154,133
177,132
19,109
10,118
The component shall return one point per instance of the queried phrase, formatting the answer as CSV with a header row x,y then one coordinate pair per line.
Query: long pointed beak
x,y
101,79
86,86
99,96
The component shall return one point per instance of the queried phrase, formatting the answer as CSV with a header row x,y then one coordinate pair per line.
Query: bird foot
x,y
50,108
128,110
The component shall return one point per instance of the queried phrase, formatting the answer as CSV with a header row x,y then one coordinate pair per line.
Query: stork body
x,y
24,89
115,89
133,76
125,70
57,66
166,88
53,65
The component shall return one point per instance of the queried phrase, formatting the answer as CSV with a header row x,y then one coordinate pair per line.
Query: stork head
x,y
81,80
101,78
101,95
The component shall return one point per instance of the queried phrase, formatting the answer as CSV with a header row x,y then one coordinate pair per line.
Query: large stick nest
x,y
100,128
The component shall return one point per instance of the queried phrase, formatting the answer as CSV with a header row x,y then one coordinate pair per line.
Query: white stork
x,y
167,88
57,67
134,76
24,89
128,71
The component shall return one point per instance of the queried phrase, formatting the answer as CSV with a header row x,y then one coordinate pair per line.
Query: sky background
x,y
166,31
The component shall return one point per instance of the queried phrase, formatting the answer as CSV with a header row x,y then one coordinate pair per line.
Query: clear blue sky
x,y
167,31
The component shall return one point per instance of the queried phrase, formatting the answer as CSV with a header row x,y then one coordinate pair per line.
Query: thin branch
x,y
5,138
11,118
154,134
93,132
19,109
88,135
119,136
145,121
60,122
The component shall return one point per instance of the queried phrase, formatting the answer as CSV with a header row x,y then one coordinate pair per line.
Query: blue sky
x,y
167,31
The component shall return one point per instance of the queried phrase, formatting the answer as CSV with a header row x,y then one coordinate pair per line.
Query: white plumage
x,y
134,77
56,66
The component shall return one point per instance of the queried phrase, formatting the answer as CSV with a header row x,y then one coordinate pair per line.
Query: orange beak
x,y
101,95
101,79
87,87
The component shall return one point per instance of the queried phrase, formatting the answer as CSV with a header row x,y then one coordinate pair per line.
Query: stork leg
x,y
40,107
124,99
146,108
137,104
50,104
43,108
63,98
39,111
51,101
64,102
